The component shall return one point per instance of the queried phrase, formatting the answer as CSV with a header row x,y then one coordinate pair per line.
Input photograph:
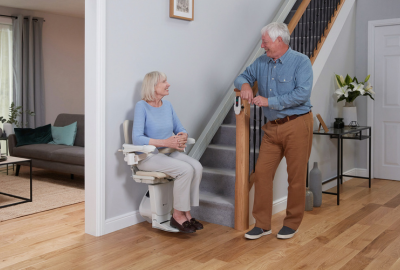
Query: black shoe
x,y
256,233
186,227
285,233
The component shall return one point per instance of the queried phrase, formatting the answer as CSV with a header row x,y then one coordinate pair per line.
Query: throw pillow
x,y
37,135
64,135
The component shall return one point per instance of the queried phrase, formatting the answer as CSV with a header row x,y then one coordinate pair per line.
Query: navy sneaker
x,y
256,233
285,233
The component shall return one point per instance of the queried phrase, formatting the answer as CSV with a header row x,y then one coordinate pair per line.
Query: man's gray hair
x,y
275,30
149,82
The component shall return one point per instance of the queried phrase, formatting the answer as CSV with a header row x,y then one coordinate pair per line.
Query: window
x,y
6,60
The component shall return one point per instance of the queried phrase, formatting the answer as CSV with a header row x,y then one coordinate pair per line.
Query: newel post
x,y
242,168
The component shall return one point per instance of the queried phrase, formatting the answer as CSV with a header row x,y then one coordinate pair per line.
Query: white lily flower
x,y
359,87
341,80
368,88
343,91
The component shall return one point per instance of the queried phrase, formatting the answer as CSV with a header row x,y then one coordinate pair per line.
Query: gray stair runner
x,y
217,187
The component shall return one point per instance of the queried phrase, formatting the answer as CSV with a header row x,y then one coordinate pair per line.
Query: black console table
x,y
347,133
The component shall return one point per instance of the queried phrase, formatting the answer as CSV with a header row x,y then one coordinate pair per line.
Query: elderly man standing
x,y
285,80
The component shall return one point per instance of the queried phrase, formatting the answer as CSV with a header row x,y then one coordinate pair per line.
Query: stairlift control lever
x,y
237,105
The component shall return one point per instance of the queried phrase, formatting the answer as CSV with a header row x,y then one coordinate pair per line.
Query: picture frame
x,y
181,9
321,123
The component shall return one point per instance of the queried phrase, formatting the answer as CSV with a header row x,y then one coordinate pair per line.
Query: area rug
x,y
50,190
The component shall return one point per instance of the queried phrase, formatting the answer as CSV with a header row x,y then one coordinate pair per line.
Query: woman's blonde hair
x,y
149,82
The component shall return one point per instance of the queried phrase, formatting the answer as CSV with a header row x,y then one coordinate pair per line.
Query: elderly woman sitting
x,y
155,123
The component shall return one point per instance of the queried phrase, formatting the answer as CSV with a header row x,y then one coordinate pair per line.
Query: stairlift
x,y
156,205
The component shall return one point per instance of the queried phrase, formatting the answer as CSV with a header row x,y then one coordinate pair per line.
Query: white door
x,y
386,131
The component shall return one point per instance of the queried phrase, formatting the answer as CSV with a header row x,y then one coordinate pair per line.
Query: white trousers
x,y
187,172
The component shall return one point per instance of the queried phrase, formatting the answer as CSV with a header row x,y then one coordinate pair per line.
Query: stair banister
x,y
244,182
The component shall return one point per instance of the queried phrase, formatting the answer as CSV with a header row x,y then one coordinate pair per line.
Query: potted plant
x,y
349,90
15,112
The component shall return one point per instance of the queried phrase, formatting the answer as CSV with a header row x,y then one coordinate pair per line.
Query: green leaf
x,y
355,80
341,98
338,80
366,79
348,79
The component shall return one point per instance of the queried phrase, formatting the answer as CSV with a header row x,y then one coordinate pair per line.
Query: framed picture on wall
x,y
181,9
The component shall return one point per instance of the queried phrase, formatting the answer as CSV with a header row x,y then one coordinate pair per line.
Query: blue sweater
x,y
154,123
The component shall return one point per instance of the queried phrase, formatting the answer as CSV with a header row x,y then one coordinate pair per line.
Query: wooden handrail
x,y
297,15
244,182
326,32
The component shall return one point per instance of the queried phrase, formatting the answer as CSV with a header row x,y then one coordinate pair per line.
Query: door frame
x,y
95,111
371,68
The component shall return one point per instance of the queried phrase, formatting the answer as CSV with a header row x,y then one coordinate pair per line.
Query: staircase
x,y
309,22
217,187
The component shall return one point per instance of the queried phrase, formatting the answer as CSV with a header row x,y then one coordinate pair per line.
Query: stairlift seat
x,y
156,205
151,178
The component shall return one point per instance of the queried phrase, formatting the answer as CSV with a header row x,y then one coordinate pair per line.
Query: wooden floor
x,y
362,233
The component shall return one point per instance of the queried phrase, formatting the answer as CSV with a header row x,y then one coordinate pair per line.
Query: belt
x,y
281,121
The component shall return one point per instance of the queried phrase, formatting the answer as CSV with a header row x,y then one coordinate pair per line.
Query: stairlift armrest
x,y
190,141
131,148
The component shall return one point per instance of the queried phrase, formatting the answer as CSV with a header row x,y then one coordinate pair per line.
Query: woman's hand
x,y
183,136
176,142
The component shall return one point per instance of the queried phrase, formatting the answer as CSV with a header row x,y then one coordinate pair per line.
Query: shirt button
x,y
274,66
270,89
272,78
283,107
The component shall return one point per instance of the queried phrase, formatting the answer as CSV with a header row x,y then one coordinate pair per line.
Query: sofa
x,y
60,158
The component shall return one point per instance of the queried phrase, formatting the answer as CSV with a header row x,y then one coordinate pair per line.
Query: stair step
x,y
215,209
218,181
222,156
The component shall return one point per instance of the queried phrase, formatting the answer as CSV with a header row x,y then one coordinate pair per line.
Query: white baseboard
x,y
279,205
122,221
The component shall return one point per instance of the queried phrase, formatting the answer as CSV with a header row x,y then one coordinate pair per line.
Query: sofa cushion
x,y
52,152
71,155
64,119
39,135
64,135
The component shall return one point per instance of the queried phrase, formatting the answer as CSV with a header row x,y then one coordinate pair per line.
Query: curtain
x,y
28,87
5,72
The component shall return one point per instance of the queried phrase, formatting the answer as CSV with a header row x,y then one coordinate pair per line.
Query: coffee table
x,y
17,160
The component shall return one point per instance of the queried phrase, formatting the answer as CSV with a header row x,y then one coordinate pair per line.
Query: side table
x,y
347,133
16,160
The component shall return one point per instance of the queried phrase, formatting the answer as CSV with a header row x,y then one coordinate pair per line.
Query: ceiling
x,y
75,8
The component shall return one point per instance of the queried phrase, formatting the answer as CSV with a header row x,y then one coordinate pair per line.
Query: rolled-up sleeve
x,y
248,76
300,94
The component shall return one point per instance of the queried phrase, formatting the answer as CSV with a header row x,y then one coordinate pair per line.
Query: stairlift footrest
x,y
163,226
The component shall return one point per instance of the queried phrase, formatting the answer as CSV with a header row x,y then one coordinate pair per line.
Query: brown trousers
x,y
291,140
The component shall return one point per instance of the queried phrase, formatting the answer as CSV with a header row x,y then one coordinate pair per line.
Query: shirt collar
x,y
283,58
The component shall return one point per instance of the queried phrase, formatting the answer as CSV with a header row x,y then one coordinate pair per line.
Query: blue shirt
x,y
287,83
154,122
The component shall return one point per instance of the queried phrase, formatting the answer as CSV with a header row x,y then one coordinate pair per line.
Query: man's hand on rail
x,y
246,92
260,101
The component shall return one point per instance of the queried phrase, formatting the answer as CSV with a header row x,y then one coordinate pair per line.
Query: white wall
x,y
341,61
201,59
368,10
63,56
